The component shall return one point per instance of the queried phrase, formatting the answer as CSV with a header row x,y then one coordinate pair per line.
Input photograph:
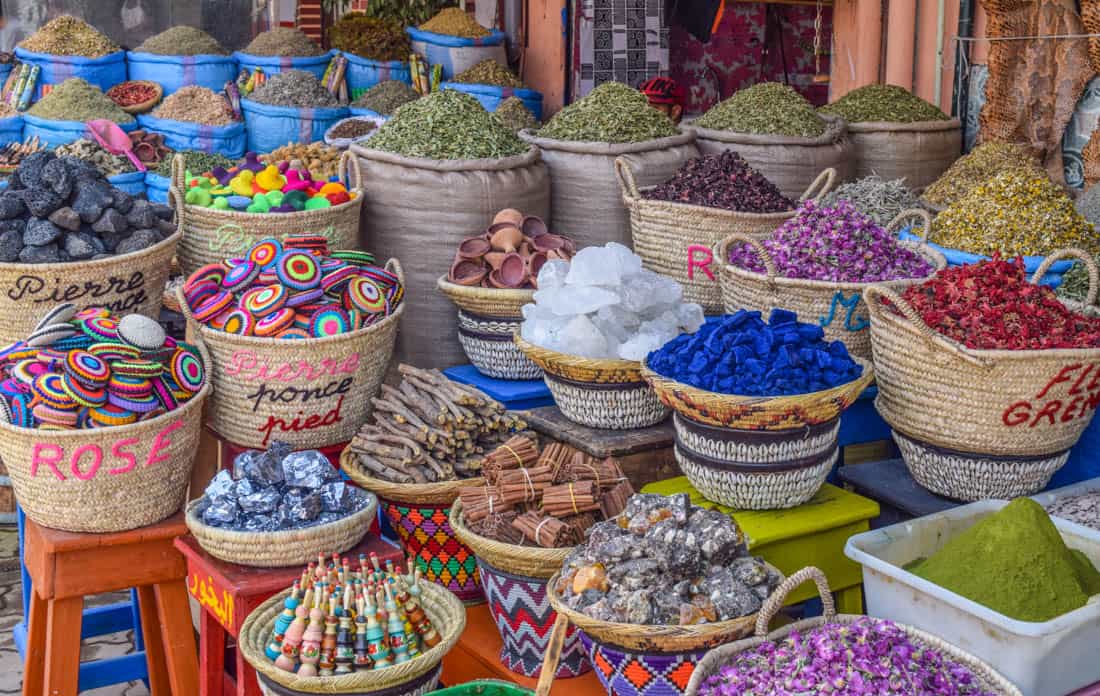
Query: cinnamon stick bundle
x,y
480,502
555,455
524,485
518,452
614,501
499,527
571,498
606,473
579,524
547,532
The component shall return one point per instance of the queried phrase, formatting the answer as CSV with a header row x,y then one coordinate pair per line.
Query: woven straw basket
x,y
443,609
938,392
604,393
988,678
487,320
675,239
128,284
282,548
361,356
838,307
79,483
211,235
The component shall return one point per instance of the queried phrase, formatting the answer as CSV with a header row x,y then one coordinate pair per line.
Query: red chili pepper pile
x,y
991,305
130,93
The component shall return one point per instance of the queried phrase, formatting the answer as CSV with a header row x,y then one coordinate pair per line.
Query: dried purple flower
x,y
723,181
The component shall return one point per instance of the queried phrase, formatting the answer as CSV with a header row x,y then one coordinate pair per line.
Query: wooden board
x,y
889,482
549,421
545,53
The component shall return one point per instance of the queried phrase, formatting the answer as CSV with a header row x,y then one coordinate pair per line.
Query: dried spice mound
x,y
870,656
282,41
1088,204
68,36
723,181
875,197
76,100
1016,563
767,108
982,164
352,128
444,126
182,41
1075,283
611,113
196,162
385,97
489,72
370,38
835,244
1018,211
90,151
195,104
883,103
454,21
991,305
294,88
515,115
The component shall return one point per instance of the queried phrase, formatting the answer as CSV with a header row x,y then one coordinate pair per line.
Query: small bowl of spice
x,y
136,96
354,129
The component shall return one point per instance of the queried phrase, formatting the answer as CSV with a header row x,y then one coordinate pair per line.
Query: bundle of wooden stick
x,y
430,429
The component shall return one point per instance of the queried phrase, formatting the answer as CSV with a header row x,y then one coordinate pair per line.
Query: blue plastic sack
x,y
11,130
173,72
180,135
270,127
156,187
273,64
456,53
362,74
5,70
958,257
132,183
104,72
54,133
491,96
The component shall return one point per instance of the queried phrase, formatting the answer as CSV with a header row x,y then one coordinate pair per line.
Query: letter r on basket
x,y
707,256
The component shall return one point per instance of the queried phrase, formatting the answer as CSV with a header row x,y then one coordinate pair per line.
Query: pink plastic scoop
x,y
114,140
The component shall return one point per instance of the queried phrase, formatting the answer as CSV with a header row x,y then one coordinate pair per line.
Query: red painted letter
x,y
39,456
161,442
97,459
703,263
116,449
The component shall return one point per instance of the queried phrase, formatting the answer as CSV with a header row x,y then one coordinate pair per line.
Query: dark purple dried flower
x,y
722,181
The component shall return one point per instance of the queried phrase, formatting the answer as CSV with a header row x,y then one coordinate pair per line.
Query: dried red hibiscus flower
x,y
991,305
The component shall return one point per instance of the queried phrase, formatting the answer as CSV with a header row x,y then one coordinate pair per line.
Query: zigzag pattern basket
x,y
973,477
487,342
628,673
425,533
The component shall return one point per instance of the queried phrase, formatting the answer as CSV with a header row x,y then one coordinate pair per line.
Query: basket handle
x,y
874,294
626,178
553,655
775,601
822,185
350,173
1080,255
761,252
894,226
394,267
176,200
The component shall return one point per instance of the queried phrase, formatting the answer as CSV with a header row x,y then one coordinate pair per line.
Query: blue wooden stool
x,y
98,621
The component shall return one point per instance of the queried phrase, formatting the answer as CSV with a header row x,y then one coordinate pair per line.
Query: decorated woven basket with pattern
x,y
598,393
487,342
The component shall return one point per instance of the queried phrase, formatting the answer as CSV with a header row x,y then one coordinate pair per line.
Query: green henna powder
x,y
1016,563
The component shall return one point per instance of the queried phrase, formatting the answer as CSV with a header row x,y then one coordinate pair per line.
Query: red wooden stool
x,y
66,566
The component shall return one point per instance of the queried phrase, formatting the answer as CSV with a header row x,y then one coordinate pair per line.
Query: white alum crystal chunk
x,y
690,316
640,346
569,300
552,274
606,265
581,337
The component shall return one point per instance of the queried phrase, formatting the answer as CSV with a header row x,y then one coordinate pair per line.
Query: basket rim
x,y
456,292
924,126
553,357
201,530
435,493
242,215
493,550
61,267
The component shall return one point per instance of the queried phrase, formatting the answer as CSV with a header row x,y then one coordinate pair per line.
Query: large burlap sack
x,y
789,162
918,152
420,209
585,193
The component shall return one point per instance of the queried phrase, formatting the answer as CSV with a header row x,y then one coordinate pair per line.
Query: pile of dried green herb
x,y
514,114
385,97
489,72
1075,283
68,36
294,88
182,41
282,41
770,108
611,113
875,197
370,38
454,21
883,103
980,165
76,100
446,125
194,161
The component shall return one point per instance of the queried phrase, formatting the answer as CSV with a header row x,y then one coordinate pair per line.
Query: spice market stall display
x,y
592,321
710,196
136,96
68,234
817,264
975,168
118,169
181,56
491,83
778,132
213,232
101,419
515,115
840,648
534,508
453,40
277,508
376,51
425,443
898,135
61,115
580,145
291,106
1001,580
197,118
282,48
365,632
67,47
300,337
652,590
983,376
492,277
442,163
756,406
383,99
321,159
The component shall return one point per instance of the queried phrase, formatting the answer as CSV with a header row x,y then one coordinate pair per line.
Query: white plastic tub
x,y
1071,490
1043,659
